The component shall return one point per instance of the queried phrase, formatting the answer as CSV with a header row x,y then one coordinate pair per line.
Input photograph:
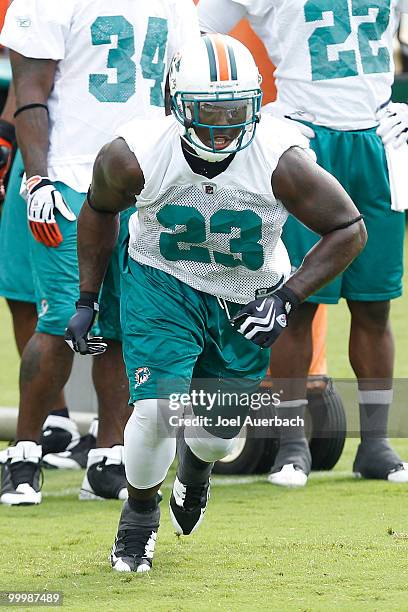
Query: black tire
x,y
243,460
255,453
328,426
325,429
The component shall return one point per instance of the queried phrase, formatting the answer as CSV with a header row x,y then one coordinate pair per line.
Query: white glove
x,y
271,109
393,126
43,199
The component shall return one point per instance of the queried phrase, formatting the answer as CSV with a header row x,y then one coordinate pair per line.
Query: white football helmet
x,y
215,95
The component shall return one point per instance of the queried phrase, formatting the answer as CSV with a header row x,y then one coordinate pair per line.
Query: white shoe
x,y
21,474
58,434
399,475
288,476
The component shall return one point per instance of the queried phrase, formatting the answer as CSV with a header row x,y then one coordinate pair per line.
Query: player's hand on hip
x,y
263,320
393,127
43,201
80,324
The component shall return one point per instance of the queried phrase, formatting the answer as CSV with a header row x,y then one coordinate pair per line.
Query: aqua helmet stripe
x,y
211,59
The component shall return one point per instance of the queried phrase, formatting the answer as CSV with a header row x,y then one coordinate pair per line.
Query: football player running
x,y
80,68
206,284
334,71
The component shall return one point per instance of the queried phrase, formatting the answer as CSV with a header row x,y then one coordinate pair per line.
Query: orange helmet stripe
x,y
221,54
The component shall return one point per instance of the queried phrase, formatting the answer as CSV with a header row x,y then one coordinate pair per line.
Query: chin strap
x,y
207,154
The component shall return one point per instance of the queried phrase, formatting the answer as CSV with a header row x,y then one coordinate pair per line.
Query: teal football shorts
x,y
16,279
357,159
175,336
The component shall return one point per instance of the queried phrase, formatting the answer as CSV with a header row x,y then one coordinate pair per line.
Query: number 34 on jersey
x,y
103,31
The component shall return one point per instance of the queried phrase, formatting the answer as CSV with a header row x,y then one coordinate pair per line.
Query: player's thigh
x,y
229,370
16,280
55,271
163,323
376,274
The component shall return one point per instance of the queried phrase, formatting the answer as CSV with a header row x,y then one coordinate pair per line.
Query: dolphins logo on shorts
x,y
43,308
141,376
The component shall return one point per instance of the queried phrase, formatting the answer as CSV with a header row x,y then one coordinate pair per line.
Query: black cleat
x,y
188,505
134,545
105,475
58,434
75,456
376,459
21,474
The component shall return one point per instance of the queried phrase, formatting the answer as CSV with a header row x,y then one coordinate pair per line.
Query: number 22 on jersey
x,y
368,31
103,31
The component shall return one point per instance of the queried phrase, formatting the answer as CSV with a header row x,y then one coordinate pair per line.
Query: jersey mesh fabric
x,y
235,284
220,236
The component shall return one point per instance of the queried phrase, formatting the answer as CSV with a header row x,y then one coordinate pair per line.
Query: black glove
x,y
80,324
264,319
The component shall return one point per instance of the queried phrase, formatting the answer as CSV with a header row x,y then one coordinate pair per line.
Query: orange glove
x,y
44,201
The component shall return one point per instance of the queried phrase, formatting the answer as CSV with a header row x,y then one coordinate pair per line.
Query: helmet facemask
x,y
218,125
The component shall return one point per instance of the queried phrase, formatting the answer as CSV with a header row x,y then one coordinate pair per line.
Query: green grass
x,y
338,544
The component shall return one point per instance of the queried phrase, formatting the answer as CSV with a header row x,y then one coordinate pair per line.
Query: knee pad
x,y
150,446
207,447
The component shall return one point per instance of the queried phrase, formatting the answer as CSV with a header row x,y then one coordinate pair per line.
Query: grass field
x,y
339,544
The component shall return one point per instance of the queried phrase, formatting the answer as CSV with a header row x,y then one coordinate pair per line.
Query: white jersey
x,y
218,235
334,58
113,58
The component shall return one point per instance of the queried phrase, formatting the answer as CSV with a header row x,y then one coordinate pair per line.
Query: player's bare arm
x,y
117,180
317,199
33,81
